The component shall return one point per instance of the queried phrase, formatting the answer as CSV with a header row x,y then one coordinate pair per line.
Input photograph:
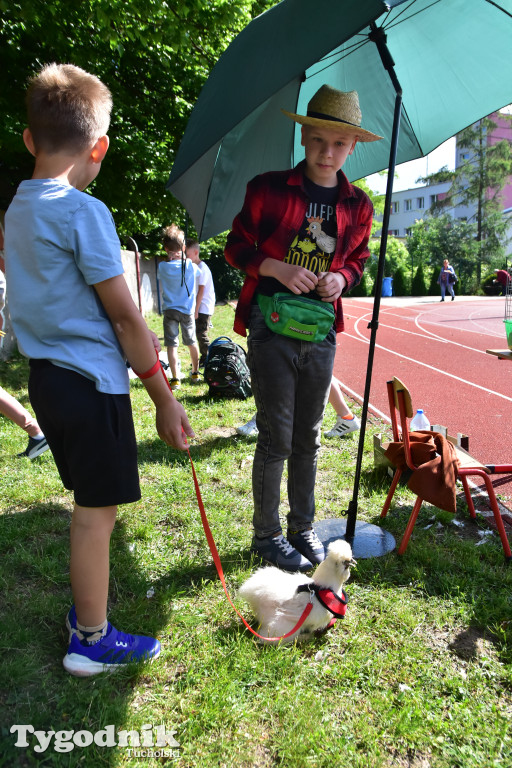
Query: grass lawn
x,y
418,674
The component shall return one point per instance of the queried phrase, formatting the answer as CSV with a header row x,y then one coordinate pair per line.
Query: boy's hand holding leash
x,y
172,424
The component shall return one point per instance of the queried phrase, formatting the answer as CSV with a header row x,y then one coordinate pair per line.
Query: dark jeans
x,y
202,326
290,381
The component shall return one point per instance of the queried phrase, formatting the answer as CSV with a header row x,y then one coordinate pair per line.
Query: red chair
x,y
400,408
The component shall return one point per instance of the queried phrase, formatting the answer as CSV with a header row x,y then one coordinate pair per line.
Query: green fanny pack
x,y
297,316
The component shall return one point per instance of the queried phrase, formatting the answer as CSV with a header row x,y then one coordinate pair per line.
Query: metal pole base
x,y
369,540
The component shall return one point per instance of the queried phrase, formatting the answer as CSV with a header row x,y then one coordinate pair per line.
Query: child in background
x,y
9,407
75,320
205,299
177,277
346,421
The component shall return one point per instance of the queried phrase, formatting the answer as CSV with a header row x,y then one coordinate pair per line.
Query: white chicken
x,y
324,241
273,597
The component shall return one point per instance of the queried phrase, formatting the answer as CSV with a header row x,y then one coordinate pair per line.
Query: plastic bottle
x,y
419,421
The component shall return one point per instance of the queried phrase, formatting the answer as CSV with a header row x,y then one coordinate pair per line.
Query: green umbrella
x,y
423,69
452,58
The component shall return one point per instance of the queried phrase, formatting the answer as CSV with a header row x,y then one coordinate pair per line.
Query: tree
x,y
419,285
400,283
440,237
153,54
397,256
478,182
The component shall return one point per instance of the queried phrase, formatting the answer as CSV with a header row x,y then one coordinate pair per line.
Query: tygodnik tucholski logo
x,y
149,741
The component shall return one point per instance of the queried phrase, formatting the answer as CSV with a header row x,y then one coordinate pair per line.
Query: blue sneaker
x,y
71,622
109,653
308,544
277,551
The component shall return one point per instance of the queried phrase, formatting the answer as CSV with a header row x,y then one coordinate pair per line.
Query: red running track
x,y
439,351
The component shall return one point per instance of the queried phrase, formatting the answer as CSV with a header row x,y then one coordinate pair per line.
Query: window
x,y
395,207
408,232
393,232
408,205
433,199
420,202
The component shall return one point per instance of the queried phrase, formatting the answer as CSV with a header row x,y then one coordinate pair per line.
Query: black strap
x,y
322,116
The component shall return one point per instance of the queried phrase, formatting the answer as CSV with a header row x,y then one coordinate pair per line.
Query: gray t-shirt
x,y
59,242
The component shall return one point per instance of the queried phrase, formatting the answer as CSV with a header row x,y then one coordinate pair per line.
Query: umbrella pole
x,y
378,36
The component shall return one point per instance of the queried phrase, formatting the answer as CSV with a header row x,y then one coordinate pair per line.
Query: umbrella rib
x,y
335,61
347,50
400,13
491,2
395,22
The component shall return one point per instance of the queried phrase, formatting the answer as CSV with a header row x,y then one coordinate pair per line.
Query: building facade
x,y
411,205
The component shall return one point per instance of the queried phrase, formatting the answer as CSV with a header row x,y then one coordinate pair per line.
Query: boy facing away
x,y
177,277
76,321
205,298
302,231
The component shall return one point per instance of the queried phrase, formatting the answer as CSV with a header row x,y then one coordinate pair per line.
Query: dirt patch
x,y
469,643
410,760
219,432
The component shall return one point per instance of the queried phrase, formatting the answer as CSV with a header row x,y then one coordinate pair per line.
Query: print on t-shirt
x,y
315,243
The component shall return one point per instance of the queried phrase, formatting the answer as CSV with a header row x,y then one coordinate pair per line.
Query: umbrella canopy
x,y
452,58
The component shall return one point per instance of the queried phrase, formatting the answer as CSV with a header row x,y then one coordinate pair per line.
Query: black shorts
x,y
90,433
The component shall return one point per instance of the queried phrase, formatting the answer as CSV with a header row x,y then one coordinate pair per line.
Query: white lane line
x,y
430,367
429,335
422,315
360,398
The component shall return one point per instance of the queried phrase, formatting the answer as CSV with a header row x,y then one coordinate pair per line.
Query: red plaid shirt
x,y
273,211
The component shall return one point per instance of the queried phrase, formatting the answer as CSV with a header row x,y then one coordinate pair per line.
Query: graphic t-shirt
x,y
315,243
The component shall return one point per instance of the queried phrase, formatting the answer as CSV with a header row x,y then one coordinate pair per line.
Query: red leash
x,y
209,536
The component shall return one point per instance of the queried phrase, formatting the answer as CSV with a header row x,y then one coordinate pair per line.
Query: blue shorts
x,y
90,434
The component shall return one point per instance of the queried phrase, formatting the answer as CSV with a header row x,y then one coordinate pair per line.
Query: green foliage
x,y
433,286
440,237
363,288
478,181
377,200
397,256
419,285
400,283
228,281
153,55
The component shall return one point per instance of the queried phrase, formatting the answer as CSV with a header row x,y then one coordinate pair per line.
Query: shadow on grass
x,y
34,579
157,451
448,562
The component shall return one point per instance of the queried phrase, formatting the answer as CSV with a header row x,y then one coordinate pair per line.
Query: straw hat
x,y
330,108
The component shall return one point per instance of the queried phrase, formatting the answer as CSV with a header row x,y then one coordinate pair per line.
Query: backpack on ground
x,y
225,369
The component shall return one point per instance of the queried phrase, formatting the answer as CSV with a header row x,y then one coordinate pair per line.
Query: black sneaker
x,y
36,446
277,551
308,544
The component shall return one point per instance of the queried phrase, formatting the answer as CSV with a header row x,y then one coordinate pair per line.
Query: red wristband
x,y
150,372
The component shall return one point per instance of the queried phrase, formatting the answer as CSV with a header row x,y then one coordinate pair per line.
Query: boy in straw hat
x,y
301,231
